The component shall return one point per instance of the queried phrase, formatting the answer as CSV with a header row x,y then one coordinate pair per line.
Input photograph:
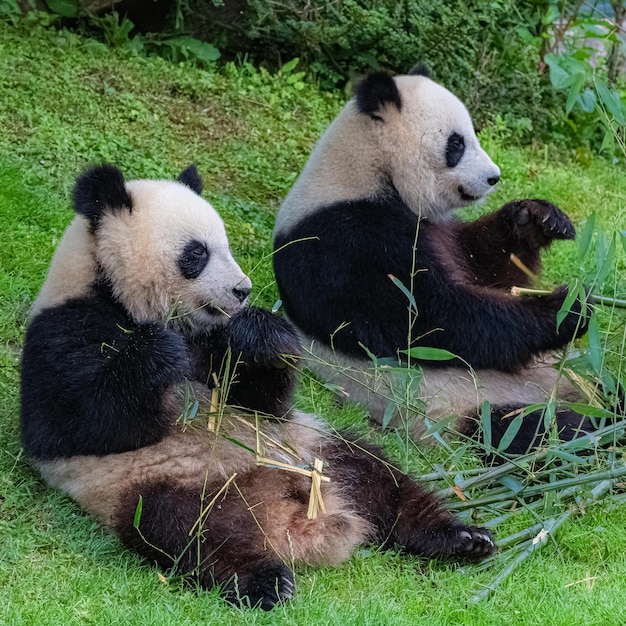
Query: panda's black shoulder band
x,y
98,189
376,90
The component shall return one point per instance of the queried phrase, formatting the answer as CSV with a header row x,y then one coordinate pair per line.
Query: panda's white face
x,y
429,145
408,130
169,257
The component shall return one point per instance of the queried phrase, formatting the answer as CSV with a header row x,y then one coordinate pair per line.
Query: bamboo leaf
x,y
584,238
390,410
588,410
611,100
241,445
485,420
605,257
510,483
398,283
596,353
574,92
439,425
425,353
548,414
138,511
510,433
572,292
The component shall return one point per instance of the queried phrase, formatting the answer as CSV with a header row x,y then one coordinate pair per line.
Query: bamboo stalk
x,y
592,298
540,540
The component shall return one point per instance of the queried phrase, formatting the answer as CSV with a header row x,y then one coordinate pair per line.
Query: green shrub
x,y
473,47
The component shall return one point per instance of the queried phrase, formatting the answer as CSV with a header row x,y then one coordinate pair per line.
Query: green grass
x,y
66,102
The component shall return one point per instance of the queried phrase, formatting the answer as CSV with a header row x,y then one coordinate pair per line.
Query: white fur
x,y
435,393
356,153
72,269
138,251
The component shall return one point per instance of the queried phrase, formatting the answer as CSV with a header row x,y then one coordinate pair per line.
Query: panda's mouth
x,y
466,196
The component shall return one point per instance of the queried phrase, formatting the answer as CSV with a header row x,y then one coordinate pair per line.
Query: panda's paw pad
x,y
472,543
545,219
266,587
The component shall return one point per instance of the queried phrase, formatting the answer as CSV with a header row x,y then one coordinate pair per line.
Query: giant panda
x,y
370,260
141,319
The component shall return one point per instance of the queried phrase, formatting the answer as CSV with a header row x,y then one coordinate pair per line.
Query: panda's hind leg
x,y
532,433
240,536
207,535
403,513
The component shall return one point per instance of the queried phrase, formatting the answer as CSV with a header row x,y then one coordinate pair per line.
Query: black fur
x,y
455,149
191,178
193,259
375,91
99,189
419,70
94,382
262,346
404,513
229,547
337,271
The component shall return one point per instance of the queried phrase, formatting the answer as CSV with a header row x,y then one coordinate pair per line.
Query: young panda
x,y
142,308
368,226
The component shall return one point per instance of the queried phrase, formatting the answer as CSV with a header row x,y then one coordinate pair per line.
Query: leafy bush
x,y
473,47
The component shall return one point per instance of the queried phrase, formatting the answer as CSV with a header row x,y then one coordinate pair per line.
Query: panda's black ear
x,y
191,179
99,189
419,70
376,90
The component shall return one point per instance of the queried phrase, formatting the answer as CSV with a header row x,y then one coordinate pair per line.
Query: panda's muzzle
x,y
466,196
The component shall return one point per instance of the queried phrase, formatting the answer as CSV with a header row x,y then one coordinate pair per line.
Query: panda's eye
x,y
454,150
193,259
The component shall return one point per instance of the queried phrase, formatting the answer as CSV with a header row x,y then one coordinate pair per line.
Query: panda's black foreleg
x,y
254,359
521,228
93,382
404,513
266,348
213,545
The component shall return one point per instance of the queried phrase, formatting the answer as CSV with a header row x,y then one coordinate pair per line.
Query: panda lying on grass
x,y
370,261
144,310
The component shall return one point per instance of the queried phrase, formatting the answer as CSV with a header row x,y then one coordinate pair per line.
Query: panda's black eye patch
x,y
193,259
455,149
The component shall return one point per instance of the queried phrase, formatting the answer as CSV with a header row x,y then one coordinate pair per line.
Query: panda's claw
x,y
472,544
543,221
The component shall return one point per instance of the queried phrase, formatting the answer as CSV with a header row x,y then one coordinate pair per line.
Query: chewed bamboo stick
x,y
316,502
592,298
541,538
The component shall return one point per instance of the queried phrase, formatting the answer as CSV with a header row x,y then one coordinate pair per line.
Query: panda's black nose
x,y
241,293
493,180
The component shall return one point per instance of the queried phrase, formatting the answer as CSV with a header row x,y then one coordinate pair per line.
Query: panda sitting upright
x,y
370,261
142,313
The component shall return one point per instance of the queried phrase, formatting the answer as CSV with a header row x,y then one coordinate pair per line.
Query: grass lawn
x,y
65,102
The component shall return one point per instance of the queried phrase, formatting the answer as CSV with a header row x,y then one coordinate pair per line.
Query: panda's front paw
x,y
263,338
159,352
538,222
